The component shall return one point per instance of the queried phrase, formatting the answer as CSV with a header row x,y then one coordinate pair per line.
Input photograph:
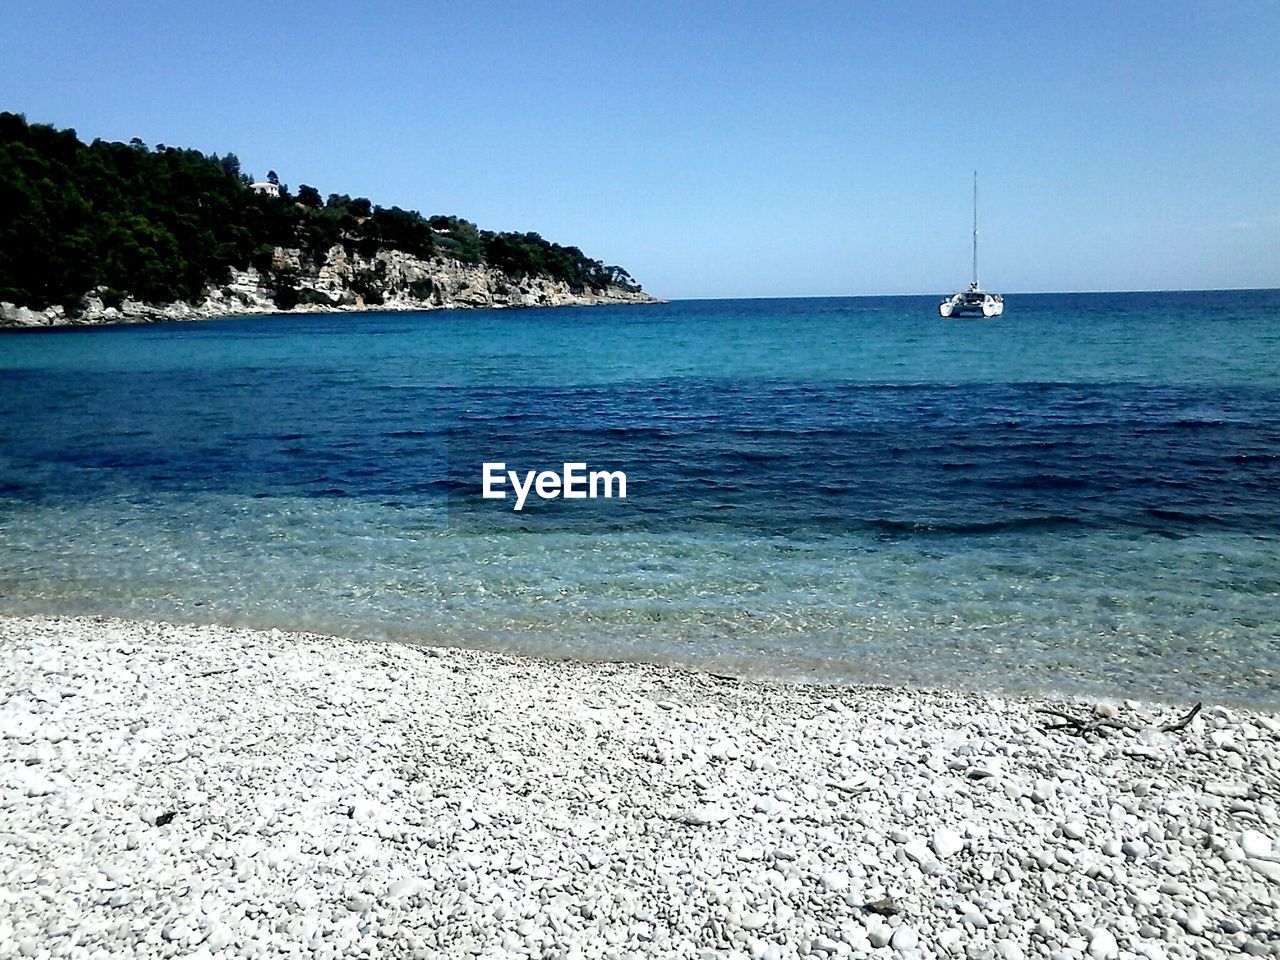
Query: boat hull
x,y
959,307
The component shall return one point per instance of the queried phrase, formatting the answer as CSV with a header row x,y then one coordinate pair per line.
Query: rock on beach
x,y
176,790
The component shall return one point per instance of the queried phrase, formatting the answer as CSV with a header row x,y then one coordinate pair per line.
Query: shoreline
x,y
168,313
325,285
803,675
173,788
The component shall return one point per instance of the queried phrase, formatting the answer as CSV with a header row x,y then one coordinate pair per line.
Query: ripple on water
x,y
1079,497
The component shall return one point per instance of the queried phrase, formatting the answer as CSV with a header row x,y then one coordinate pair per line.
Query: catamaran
x,y
974,300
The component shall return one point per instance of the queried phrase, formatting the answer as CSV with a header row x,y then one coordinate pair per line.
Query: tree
x,y
286,290
272,178
309,196
164,224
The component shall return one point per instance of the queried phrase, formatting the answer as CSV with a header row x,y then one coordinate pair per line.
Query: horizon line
x,y
1016,293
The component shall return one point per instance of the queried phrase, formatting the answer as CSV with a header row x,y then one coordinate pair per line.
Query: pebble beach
x,y
201,791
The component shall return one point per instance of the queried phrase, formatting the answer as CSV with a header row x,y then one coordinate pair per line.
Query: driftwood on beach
x,y
1106,720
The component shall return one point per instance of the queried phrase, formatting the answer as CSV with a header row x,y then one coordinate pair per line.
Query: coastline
x,y
183,313
176,788
13,318
408,284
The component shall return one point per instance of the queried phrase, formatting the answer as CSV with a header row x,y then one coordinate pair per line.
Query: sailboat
x,y
974,300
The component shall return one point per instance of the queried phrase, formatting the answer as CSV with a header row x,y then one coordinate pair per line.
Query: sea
x,y
1078,498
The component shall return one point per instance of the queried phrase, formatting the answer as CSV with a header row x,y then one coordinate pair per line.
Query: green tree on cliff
x,y
164,224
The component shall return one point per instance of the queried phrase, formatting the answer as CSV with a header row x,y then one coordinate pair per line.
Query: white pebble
x,y
947,843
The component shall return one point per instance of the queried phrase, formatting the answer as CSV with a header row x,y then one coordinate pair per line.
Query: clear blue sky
x,y
721,149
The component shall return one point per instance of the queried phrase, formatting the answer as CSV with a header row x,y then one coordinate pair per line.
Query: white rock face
x,y
405,283
173,790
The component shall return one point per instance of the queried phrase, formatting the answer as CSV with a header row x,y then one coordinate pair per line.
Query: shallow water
x,y
1081,496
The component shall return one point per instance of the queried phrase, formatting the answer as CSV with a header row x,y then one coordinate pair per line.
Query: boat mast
x,y
975,229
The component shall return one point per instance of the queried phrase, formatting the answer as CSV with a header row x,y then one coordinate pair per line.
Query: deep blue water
x,y
1082,495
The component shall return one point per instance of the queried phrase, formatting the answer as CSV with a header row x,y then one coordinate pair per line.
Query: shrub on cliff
x,y
286,295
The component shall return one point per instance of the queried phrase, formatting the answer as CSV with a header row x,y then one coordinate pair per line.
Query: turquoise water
x,y
1081,496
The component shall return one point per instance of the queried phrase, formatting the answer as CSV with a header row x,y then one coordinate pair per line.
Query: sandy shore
x,y
194,791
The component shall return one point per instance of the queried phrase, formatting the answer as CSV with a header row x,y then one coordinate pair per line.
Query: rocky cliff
x,y
341,281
